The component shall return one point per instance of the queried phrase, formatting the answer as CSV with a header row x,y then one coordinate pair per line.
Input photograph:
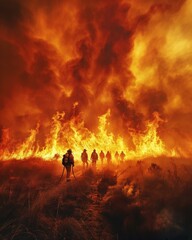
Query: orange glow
x,y
96,75
147,143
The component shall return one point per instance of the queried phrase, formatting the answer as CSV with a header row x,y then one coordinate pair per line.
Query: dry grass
x,y
151,199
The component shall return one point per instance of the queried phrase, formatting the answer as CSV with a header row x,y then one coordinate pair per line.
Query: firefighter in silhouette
x,y
101,155
122,156
84,158
117,156
94,158
108,156
68,162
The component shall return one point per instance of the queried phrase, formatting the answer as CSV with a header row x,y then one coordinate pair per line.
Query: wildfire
x,y
65,63
75,135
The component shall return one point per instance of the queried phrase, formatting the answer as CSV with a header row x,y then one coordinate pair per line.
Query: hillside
x,y
135,200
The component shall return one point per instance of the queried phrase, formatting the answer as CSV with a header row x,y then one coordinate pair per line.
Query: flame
x,y
149,143
92,74
75,135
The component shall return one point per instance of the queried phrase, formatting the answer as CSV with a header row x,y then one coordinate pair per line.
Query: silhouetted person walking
x,y
108,156
122,156
102,156
68,163
84,158
94,158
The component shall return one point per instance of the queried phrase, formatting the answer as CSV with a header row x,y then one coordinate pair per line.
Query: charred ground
x,y
149,199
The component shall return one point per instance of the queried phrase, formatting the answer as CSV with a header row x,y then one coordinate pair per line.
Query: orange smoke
x,y
92,75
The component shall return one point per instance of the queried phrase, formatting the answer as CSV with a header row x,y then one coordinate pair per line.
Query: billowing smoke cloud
x,y
128,56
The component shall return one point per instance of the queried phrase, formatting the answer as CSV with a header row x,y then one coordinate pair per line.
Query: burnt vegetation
x,y
149,199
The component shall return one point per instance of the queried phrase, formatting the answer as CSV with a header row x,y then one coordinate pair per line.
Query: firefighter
x,y
108,156
94,158
117,156
101,155
84,158
122,156
68,163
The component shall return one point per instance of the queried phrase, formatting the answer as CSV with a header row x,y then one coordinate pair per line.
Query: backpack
x,y
65,160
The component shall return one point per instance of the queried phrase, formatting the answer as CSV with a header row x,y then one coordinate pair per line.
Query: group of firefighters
x,y
68,159
95,157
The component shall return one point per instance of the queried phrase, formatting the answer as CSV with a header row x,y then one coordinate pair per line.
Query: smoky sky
x,y
55,53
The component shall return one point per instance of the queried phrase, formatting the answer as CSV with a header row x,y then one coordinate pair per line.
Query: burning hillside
x,y
74,134
96,74
110,75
